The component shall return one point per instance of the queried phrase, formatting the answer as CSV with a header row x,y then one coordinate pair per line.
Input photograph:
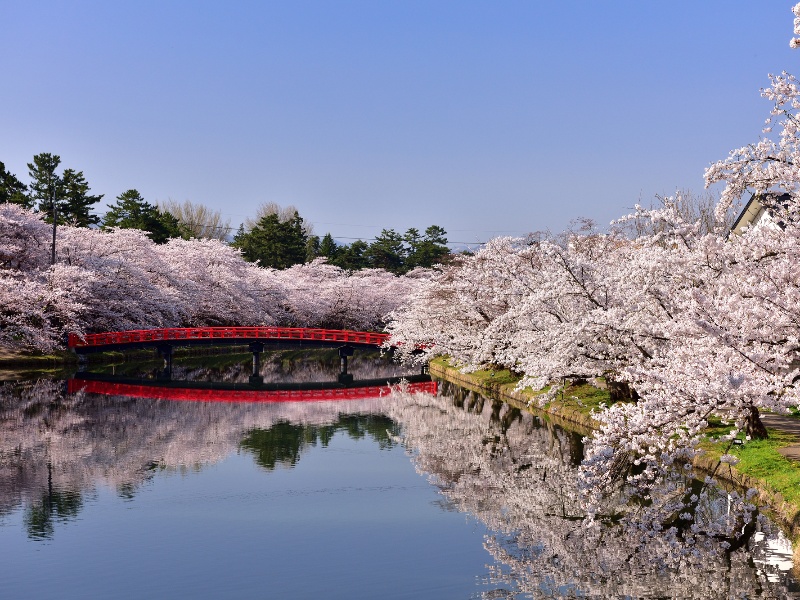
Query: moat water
x,y
400,496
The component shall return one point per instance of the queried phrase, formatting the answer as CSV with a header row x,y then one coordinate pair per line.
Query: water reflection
x,y
221,387
288,365
512,471
282,444
57,448
518,475
53,506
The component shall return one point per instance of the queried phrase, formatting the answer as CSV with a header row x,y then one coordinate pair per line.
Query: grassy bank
x,y
15,364
761,464
9,358
571,409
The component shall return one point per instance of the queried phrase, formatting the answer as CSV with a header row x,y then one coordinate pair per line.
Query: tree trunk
x,y
620,391
754,427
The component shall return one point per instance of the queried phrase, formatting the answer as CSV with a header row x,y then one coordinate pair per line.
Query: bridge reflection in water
x,y
211,391
257,340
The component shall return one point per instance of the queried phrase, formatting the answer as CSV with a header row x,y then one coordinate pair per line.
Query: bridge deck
x,y
186,336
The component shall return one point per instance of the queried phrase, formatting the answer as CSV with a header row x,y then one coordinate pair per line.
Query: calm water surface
x,y
401,497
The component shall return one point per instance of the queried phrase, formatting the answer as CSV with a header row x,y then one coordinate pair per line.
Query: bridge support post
x,y
165,350
344,352
256,348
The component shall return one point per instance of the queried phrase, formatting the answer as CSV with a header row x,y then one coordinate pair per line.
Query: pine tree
x,y
77,201
352,257
387,251
413,239
312,247
12,189
427,250
328,247
274,243
45,184
131,211
71,191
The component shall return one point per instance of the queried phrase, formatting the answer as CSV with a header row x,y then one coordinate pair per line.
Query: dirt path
x,y
786,424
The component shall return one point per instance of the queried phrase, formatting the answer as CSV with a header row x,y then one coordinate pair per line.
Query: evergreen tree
x,y
352,257
71,191
413,240
12,189
427,250
131,211
328,247
274,243
312,247
46,184
387,252
77,201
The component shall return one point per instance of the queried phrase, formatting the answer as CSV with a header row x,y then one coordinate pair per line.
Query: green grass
x,y
761,460
582,398
495,377
32,358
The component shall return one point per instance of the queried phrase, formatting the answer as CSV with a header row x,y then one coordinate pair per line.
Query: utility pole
x,y
55,217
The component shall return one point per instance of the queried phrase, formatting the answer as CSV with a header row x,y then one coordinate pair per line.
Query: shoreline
x,y
575,418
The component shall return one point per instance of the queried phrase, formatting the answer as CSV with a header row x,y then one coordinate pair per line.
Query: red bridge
x,y
187,336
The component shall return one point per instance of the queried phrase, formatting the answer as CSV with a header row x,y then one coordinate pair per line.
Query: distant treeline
x,y
277,237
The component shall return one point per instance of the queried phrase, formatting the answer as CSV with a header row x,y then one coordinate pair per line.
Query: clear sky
x,y
486,118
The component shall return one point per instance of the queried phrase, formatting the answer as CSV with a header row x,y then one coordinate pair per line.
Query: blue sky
x,y
486,118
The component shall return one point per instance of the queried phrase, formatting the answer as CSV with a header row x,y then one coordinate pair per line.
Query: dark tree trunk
x,y
621,391
754,427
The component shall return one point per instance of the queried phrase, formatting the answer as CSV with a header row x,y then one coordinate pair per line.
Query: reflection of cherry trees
x,y
56,449
515,473
518,475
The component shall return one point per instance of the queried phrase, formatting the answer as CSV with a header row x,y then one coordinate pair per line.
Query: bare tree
x,y
284,213
197,219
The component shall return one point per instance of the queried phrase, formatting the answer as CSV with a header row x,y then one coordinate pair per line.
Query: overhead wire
x,y
230,228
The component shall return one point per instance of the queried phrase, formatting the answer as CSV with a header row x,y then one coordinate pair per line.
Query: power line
x,y
343,237
230,228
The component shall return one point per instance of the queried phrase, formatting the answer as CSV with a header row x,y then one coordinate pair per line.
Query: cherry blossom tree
x,y
118,279
700,325
688,320
24,239
322,295
217,287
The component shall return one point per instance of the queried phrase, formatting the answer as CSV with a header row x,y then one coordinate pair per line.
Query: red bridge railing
x,y
178,334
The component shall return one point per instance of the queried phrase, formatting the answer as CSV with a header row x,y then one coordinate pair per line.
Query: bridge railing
x,y
176,334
